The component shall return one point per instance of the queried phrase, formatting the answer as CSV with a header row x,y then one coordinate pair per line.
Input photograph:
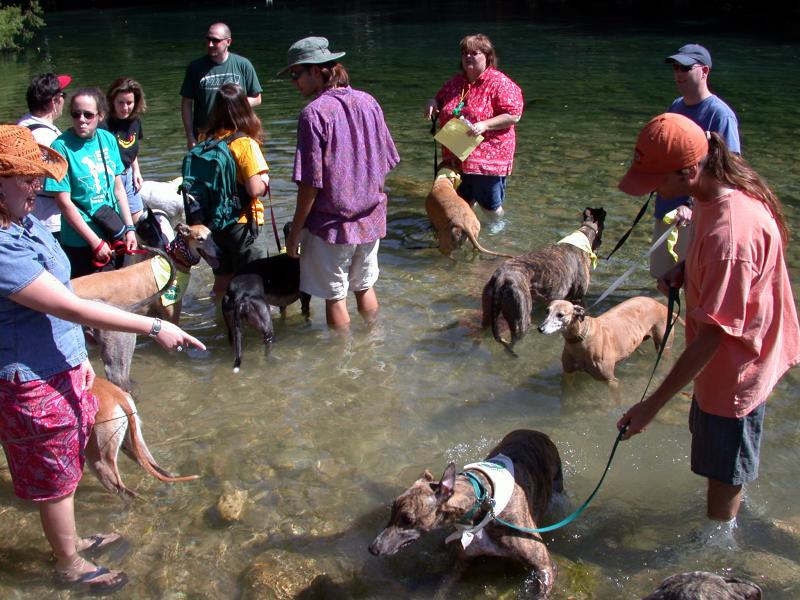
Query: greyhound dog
x,y
453,218
267,281
529,463
558,271
701,584
597,345
137,288
117,424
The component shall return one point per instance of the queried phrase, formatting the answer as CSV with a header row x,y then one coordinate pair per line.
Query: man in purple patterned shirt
x,y
344,152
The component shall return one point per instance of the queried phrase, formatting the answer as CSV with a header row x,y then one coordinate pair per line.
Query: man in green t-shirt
x,y
207,74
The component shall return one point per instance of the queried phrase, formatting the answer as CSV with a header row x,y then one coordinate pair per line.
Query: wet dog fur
x,y
555,272
117,425
453,218
267,281
596,345
429,505
701,584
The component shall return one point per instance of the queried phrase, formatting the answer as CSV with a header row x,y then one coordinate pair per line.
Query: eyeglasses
x,y
295,75
87,114
685,68
214,40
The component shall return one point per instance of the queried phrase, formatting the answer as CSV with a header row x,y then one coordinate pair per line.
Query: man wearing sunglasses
x,y
207,74
691,66
45,98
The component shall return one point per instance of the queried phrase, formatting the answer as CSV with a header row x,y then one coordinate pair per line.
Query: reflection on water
x,y
322,433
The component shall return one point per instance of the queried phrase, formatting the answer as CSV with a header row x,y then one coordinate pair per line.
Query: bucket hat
x,y
21,155
669,142
309,51
690,54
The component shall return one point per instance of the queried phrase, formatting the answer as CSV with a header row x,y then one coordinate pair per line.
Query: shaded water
x,y
322,433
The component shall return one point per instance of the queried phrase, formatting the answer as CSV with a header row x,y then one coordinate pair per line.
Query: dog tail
x,y
170,281
135,447
480,248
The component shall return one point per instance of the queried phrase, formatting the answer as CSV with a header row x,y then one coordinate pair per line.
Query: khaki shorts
x,y
329,270
661,260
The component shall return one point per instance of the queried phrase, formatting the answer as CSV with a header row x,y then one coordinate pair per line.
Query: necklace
x,y
460,106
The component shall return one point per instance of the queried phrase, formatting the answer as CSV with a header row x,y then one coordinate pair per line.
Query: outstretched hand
x,y
172,337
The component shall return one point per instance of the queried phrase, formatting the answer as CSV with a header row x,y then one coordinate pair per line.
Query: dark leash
x,y
274,224
435,149
627,234
61,430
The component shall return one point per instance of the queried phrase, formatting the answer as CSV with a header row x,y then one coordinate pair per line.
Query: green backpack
x,y
211,195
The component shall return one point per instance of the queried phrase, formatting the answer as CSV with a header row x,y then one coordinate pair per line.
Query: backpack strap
x,y
35,126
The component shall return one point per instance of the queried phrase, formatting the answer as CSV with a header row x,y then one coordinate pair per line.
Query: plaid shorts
x,y
724,448
44,427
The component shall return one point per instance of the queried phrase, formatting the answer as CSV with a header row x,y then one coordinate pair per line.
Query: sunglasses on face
x,y
295,75
684,68
214,40
87,114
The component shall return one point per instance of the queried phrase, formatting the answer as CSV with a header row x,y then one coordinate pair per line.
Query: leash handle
x,y
627,234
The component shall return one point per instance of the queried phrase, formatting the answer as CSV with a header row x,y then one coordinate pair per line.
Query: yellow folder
x,y
455,137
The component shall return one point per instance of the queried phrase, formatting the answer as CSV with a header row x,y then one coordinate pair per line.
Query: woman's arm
x,y
137,175
690,363
47,295
503,121
256,185
125,212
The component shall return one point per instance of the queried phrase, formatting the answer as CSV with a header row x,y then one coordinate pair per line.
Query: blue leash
x,y
480,492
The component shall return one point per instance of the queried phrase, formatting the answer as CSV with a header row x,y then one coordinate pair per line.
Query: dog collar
x,y
178,249
500,472
583,333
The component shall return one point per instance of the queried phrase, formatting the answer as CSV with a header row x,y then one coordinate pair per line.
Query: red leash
x,y
118,248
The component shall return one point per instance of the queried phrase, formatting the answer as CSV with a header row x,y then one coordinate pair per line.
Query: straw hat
x,y
21,155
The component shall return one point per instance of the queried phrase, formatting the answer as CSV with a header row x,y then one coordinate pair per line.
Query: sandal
x,y
94,582
99,542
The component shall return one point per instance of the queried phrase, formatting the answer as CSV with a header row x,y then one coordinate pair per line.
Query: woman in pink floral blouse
x,y
491,103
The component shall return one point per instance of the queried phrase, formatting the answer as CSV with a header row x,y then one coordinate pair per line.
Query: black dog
x,y
267,281
556,272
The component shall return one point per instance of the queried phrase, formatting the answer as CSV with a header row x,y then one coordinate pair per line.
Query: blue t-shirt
x,y
93,165
34,345
712,114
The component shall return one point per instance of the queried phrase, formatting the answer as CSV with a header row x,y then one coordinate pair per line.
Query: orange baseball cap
x,y
669,142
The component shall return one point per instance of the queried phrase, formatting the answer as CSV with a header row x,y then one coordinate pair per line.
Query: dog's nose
x,y
541,328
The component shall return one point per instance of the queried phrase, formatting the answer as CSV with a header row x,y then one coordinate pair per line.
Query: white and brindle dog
x,y
596,345
532,461
117,425
138,287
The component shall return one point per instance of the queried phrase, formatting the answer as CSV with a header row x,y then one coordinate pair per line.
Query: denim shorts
x,y
487,190
134,199
726,449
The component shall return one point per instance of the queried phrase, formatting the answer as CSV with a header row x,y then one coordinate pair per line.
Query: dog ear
x,y
444,489
427,476
578,311
587,214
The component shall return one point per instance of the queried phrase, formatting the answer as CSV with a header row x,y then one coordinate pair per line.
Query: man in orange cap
x,y
742,332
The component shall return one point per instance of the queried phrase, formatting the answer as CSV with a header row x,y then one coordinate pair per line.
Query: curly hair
x,y
126,85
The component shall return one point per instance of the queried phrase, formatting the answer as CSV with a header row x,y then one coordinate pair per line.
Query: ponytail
x,y
735,172
334,75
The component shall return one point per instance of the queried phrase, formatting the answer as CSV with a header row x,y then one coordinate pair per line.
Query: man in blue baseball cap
x,y
691,66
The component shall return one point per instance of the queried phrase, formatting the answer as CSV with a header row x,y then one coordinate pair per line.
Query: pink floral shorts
x,y
44,429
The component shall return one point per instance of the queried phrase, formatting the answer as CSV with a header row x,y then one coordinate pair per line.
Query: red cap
x,y
669,142
63,80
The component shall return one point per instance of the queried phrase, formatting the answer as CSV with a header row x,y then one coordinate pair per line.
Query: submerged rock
x,y
278,575
230,505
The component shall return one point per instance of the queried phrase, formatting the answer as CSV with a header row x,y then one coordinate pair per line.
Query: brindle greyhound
x,y
453,218
701,584
117,424
136,288
556,272
429,504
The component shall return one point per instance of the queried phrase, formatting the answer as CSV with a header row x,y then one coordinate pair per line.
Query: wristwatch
x,y
155,328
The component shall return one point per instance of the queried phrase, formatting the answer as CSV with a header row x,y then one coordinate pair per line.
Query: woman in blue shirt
x,y
46,405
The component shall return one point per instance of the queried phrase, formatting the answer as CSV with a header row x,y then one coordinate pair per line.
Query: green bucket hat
x,y
309,51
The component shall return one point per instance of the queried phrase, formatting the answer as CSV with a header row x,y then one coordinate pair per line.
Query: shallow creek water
x,y
322,433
